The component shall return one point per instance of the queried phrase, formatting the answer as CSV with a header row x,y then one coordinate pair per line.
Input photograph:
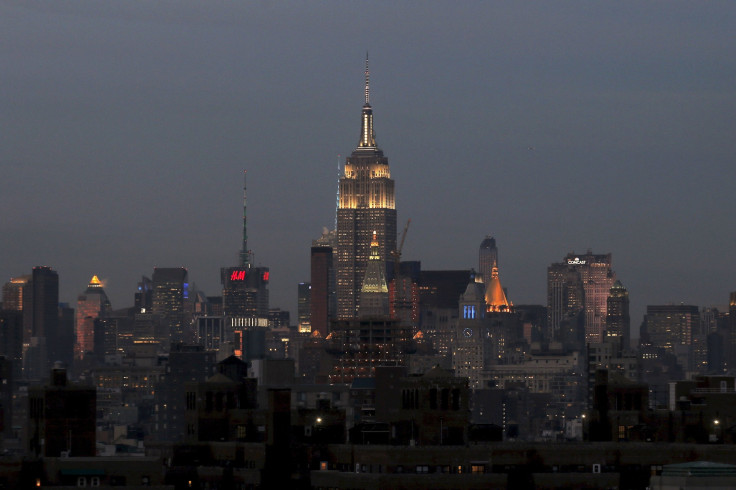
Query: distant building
x,y
374,290
618,322
671,327
579,283
366,205
40,322
323,304
487,258
170,290
61,418
304,307
91,305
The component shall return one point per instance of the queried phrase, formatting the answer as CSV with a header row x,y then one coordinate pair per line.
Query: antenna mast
x,y
244,252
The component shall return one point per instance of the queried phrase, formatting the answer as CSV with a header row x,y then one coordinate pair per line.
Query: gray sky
x,y
554,126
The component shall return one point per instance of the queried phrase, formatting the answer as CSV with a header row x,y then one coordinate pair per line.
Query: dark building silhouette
x,y
366,205
323,288
187,364
61,418
170,290
40,322
618,322
11,339
487,258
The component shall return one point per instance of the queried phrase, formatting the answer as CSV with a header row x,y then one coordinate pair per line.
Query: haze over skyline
x,y
553,126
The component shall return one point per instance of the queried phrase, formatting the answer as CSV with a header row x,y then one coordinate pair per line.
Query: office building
x,y
40,322
580,283
304,307
170,291
617,316
323,305
671,328
366,205
61,418
91,305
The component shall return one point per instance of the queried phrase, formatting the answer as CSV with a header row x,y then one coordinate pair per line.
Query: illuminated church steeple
x,y
366,205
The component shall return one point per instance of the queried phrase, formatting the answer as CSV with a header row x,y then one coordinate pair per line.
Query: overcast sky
x,y
554,126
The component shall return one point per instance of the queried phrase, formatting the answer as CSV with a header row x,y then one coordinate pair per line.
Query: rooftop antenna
x,y
244,252
367,81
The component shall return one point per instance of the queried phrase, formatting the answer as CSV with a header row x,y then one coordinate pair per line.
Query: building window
x,y
422,469
478,468
94,481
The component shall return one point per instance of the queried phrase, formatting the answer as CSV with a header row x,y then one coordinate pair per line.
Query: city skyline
x,y
125,130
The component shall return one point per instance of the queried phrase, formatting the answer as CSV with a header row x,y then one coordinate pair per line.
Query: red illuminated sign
x,y
237,276
265,276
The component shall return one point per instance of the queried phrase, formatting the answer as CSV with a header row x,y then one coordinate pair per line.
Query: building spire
x,y
367,81
244,252
367,137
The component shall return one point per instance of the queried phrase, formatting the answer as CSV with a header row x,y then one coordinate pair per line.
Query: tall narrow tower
x,y
366,204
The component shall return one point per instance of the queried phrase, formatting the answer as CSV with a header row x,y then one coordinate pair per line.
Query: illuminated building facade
x,y
91,305
579,282
13,293
366,205
374,291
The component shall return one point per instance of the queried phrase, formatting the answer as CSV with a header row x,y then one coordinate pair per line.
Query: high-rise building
x,y
580,282
245,288
40,321
617,315
91,305
13,293
170,290
366,205
487,258
304,307
671,328
324,298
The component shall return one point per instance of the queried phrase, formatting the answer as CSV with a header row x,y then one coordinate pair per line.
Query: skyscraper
x,y
366,205
323,297
245,288
617,315
91,305
40,322
170,289
580,282
487,258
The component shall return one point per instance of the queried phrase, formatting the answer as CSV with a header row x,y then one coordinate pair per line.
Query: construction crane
x,y
396,254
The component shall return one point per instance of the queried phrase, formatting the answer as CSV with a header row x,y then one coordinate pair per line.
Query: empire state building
x,y
366,206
